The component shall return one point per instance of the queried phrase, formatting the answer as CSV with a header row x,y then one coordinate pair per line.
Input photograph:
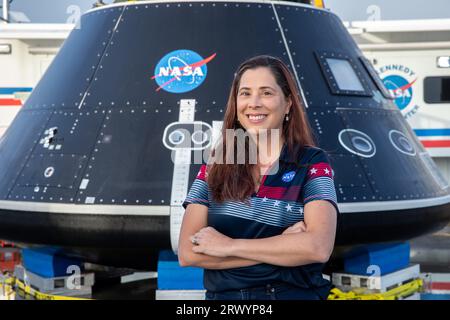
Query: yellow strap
x,y
6,291
6,287
43,296
404,290
10,283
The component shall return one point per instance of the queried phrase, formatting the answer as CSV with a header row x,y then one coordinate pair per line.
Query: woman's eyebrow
x,y
260,88
265,87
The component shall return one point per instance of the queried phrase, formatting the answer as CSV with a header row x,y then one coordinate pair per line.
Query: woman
x,y
263,230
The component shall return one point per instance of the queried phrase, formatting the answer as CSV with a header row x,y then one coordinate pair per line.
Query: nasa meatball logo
x,y
399,80
181,71
288,177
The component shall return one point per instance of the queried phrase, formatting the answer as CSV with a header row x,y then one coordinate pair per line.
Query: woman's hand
x,y
296,228
211,242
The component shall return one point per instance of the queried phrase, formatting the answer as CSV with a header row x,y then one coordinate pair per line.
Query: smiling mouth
x,y
256,117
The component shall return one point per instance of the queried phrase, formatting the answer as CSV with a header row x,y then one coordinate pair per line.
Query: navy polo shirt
x,y
302,177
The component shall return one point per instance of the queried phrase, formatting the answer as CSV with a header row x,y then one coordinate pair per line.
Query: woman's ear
x,y
289,104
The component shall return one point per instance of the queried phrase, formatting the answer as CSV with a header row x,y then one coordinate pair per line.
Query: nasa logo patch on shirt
x,y
288,176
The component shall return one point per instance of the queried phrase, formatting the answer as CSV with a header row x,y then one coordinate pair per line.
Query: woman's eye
x,y
244,93
267,93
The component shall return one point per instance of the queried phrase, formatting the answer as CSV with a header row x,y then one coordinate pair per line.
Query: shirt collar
x,y
288,157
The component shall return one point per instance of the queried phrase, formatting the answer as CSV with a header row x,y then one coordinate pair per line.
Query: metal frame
x,y
322,56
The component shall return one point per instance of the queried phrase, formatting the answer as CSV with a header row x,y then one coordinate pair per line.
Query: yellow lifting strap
x,y
6,287
399,292
11,283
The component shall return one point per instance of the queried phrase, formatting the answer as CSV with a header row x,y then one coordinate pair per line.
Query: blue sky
x,y
61,10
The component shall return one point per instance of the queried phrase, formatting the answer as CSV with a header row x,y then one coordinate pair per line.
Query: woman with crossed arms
x,y
263,230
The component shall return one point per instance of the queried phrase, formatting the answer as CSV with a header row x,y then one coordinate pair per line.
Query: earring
x,y
287,118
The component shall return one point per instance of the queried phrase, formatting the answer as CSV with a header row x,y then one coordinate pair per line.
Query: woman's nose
x,y
254,101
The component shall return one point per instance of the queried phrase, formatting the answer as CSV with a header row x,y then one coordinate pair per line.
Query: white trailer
x,y
26,50
412,57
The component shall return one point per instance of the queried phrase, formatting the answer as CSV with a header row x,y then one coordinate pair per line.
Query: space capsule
x,y
94,162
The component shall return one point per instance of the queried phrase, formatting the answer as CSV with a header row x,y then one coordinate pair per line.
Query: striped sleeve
x,y
198,193
319,184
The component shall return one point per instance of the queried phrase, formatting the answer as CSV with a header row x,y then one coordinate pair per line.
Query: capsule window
x,y
376,78
342,74
437,90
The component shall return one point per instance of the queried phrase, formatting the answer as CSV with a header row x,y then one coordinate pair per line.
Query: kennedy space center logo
x,y
399,80
181,71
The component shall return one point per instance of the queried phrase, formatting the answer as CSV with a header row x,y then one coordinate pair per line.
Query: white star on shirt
x,y
276,203
326,171
313,171
301,210
264,199
288,207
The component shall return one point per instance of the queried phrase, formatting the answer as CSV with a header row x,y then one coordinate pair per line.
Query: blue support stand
x,y
171,276
48,262
387,257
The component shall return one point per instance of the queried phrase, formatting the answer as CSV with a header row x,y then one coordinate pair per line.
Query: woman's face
x,y
261,104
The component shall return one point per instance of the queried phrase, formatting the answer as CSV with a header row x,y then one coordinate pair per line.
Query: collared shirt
x,y
302,177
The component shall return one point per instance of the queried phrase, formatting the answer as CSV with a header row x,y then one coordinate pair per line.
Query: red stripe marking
x,y
436,143
166,83
440,285
407,86
202,174
10,102
321,169
279,193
